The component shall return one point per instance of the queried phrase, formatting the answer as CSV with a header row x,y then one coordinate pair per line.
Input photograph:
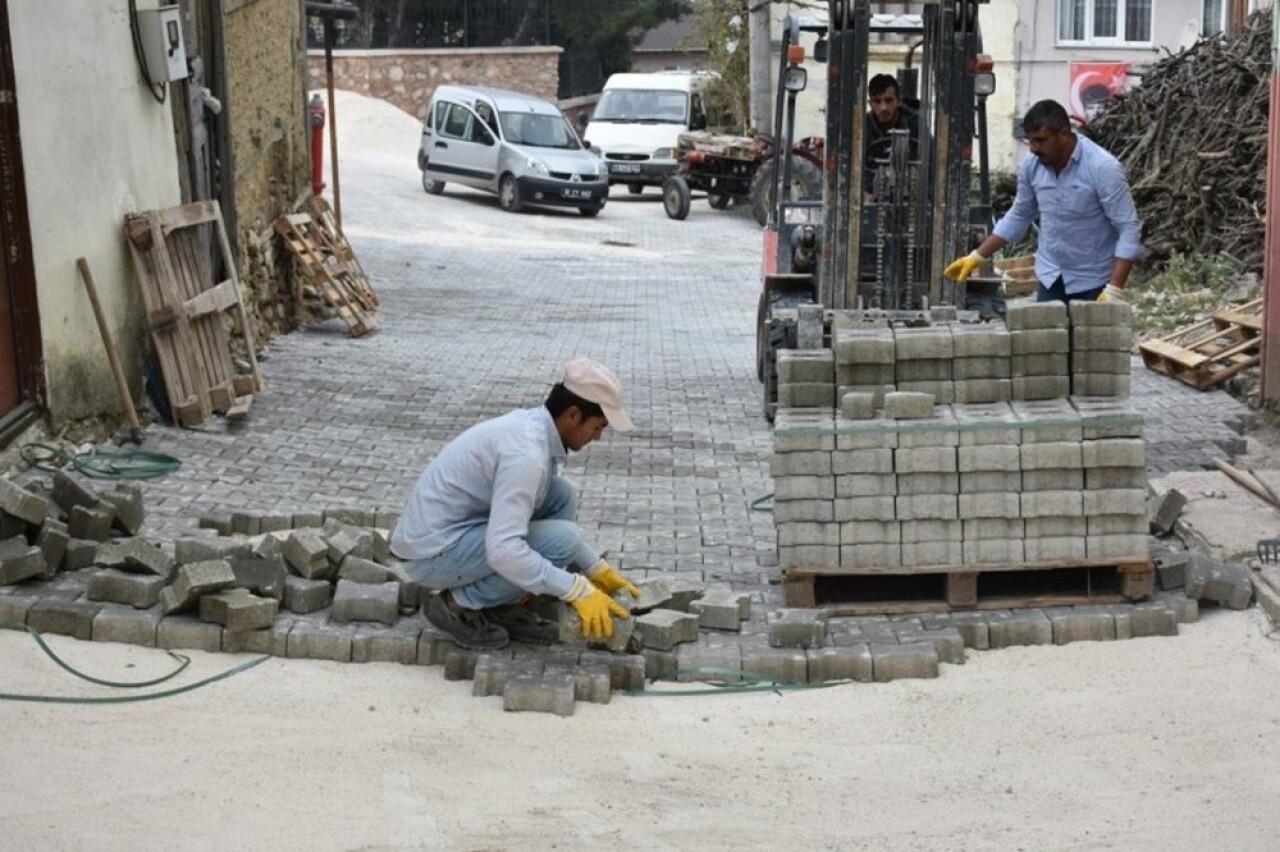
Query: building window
x,y
1214,19
1106,22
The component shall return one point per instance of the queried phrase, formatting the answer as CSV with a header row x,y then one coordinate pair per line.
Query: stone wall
x,y
407,78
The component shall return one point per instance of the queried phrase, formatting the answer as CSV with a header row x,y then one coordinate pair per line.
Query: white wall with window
x,y
1105,22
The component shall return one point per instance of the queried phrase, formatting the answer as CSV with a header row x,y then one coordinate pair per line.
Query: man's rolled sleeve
x,y
1117,203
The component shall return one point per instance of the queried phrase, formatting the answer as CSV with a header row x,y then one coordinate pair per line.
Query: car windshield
x,y
655,105
538,131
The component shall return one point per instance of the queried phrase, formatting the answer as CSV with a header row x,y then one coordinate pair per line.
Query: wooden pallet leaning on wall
x,y
1211,351
841,591
328,280
171,251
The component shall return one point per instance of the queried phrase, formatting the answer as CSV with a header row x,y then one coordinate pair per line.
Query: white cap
x,y
597,383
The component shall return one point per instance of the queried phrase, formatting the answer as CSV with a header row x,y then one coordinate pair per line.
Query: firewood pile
x,y
1193,139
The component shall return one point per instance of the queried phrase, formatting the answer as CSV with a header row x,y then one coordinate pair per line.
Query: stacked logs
x,y
1193,139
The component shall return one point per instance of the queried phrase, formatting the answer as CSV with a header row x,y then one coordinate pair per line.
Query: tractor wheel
x,y
718,201
675,197
806,184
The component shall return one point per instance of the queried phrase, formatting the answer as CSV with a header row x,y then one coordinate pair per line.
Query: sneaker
x,y
524,625
470,628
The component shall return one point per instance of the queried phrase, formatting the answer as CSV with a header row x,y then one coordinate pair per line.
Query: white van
x,y
516,145
639,119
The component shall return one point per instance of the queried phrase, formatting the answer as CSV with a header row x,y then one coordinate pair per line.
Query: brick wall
x,y
407,78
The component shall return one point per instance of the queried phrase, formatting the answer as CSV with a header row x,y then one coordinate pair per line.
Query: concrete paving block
x,y
366,602
1116,525
1049,504
988,457
1028,315
307,553
654,592
398,644
69,491
193,549
877,434
1095,338
807,395
354,517
856,405
973,629
919,554
971,391
705,662
805,463
861,462
433,646
1030,388
1051,455
808,555
302,596
20,503
785,511
864,346
219,522
922,370
238,610
1171,570
1099,363
136,555
722,610
807,532
663,629
52,541
315,640
64,617
847,662
1225,583
141,591
798,628
1020,627
895,662
275,523
1081,624
273,640
805,365
492,670
947,641
871,532
927,342
1136,621
887,555
803,488
626,671
992,505
245,522
908,406
1121,546
1164,511
942,391
1186,609
780,665
1114,501
683,593
193,580
80,554
1100,314
1101,384
983,367
14,608
1053,549
304,520
1097,478
924,460
264,576
797,430
988,482
269,545
19,561
591,683
1039,341
866,508
177,632
987,340
358,570
993,551
93,524
130,511
120,623
545,693
919,507
659,665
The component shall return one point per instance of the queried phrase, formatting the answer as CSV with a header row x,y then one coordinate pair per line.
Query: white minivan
x,y
516,145
638,121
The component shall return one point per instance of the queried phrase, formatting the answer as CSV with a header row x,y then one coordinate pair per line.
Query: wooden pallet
x,y
185,306
1208,352
1018,274
328,280
940,588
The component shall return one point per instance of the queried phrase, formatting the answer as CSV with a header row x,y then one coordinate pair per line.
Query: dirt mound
x,y
372,126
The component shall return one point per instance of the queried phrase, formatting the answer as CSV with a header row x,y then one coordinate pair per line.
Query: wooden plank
x,y
228,262
219,299
240,410
962,588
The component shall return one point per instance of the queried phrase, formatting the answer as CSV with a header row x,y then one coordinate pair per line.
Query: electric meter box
x,y
160,31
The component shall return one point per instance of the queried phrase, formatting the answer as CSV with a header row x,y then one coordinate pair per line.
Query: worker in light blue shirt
x,y
1090,234
491,522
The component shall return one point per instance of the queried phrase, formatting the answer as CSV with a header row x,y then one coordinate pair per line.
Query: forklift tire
x,y
718,201
676,197
806,184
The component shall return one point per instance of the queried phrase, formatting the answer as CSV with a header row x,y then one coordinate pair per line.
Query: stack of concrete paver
x,y
1040,347
1100,342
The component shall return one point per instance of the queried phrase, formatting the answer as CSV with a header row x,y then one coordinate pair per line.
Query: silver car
x,y
518,146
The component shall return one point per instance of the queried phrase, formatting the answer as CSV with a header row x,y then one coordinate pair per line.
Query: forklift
x,y
890,219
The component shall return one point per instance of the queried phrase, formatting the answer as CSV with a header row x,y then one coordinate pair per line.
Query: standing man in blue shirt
x,y
491,522
1090,234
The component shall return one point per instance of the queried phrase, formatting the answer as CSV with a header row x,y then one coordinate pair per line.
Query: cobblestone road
x,y
480,311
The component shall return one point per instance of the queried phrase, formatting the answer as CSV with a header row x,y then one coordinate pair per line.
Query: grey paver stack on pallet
x,y
962,464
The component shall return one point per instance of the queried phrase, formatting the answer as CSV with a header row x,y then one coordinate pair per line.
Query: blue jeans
x,y
463,569
1057,292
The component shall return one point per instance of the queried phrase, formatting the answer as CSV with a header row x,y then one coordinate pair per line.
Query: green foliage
x,y
724,26
1187,289
611,27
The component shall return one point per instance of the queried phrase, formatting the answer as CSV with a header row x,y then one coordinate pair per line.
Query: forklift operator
x,y
888,112
1090,233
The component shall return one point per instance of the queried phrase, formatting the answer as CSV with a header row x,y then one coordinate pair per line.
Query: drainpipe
x,y
335,16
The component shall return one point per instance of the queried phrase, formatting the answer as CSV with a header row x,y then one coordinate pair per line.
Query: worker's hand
x,y
596,609
607,579
1111,293
961,268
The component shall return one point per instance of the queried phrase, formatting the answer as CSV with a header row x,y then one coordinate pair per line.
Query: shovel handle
x,y
121,385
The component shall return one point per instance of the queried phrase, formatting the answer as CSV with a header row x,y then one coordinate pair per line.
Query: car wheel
x,y
509,194
635,188
675,197
432,186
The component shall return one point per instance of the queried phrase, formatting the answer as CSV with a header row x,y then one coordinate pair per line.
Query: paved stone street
x,y
480,311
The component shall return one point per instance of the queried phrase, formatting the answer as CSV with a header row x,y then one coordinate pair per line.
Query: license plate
x,y
575,193
624,169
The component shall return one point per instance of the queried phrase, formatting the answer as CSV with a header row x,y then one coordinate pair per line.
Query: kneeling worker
x,y
490,522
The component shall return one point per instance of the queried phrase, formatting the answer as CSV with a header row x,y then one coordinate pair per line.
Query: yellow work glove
x,y
596,609
961,268
607,579
1111,293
